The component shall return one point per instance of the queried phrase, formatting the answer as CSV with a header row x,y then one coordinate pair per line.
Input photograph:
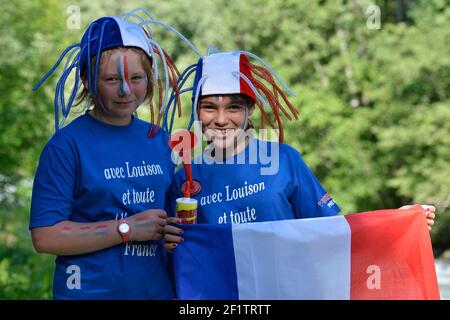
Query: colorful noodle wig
x,y
108,33
223,73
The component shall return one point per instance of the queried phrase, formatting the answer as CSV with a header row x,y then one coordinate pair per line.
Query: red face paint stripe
x,y
125,71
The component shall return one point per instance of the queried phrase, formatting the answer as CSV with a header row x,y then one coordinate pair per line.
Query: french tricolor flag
x,y
384,254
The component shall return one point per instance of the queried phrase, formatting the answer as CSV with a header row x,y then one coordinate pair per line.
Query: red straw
x,y
183,141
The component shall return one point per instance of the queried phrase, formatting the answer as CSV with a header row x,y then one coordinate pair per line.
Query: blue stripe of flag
x,y
211,275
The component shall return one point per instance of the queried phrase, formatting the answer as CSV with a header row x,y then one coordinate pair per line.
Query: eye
x,y
137,78
235,107
208,107
112,79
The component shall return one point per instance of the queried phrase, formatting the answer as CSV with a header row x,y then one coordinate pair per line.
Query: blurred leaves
x,y
23,273
374,103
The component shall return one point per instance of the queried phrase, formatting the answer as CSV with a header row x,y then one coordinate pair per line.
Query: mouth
x,y
223,133
124,103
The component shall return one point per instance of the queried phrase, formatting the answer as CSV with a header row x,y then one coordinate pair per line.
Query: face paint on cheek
x,y
122,71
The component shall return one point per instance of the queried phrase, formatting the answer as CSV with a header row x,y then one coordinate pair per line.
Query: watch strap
x,y
125,235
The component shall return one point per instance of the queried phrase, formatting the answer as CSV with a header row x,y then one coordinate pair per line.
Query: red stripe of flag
x,y
391,255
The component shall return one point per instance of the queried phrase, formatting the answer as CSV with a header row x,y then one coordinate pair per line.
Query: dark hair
x,y
241,99
236,98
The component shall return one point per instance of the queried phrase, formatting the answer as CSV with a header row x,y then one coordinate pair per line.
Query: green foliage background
x,y
374,103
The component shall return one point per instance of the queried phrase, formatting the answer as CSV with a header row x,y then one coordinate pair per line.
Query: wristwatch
x,y
124,230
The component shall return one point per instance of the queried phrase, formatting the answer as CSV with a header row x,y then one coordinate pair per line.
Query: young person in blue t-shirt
x,y
100,188
238,178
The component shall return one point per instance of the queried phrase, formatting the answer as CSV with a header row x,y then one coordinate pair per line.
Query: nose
x,y
221,119
125,89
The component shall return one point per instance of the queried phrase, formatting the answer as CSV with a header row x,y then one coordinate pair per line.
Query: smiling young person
x,y
239,178
100,188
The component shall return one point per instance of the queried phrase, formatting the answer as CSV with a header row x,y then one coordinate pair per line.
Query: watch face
x,y
124,228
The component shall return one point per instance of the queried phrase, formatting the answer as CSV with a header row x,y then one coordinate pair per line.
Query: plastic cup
x,y
187,210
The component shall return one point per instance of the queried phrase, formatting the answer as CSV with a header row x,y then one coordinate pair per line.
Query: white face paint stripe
x,y
122,71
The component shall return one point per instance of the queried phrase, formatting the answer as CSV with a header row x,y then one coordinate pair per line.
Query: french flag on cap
x,y
221,72
384,254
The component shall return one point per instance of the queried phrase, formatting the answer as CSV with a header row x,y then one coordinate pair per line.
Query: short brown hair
x,y
236,98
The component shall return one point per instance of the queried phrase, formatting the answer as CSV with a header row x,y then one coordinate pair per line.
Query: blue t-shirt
x,y
92,171
266,181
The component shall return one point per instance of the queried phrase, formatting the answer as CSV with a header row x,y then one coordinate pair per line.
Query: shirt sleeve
x,y
53,186
307,196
